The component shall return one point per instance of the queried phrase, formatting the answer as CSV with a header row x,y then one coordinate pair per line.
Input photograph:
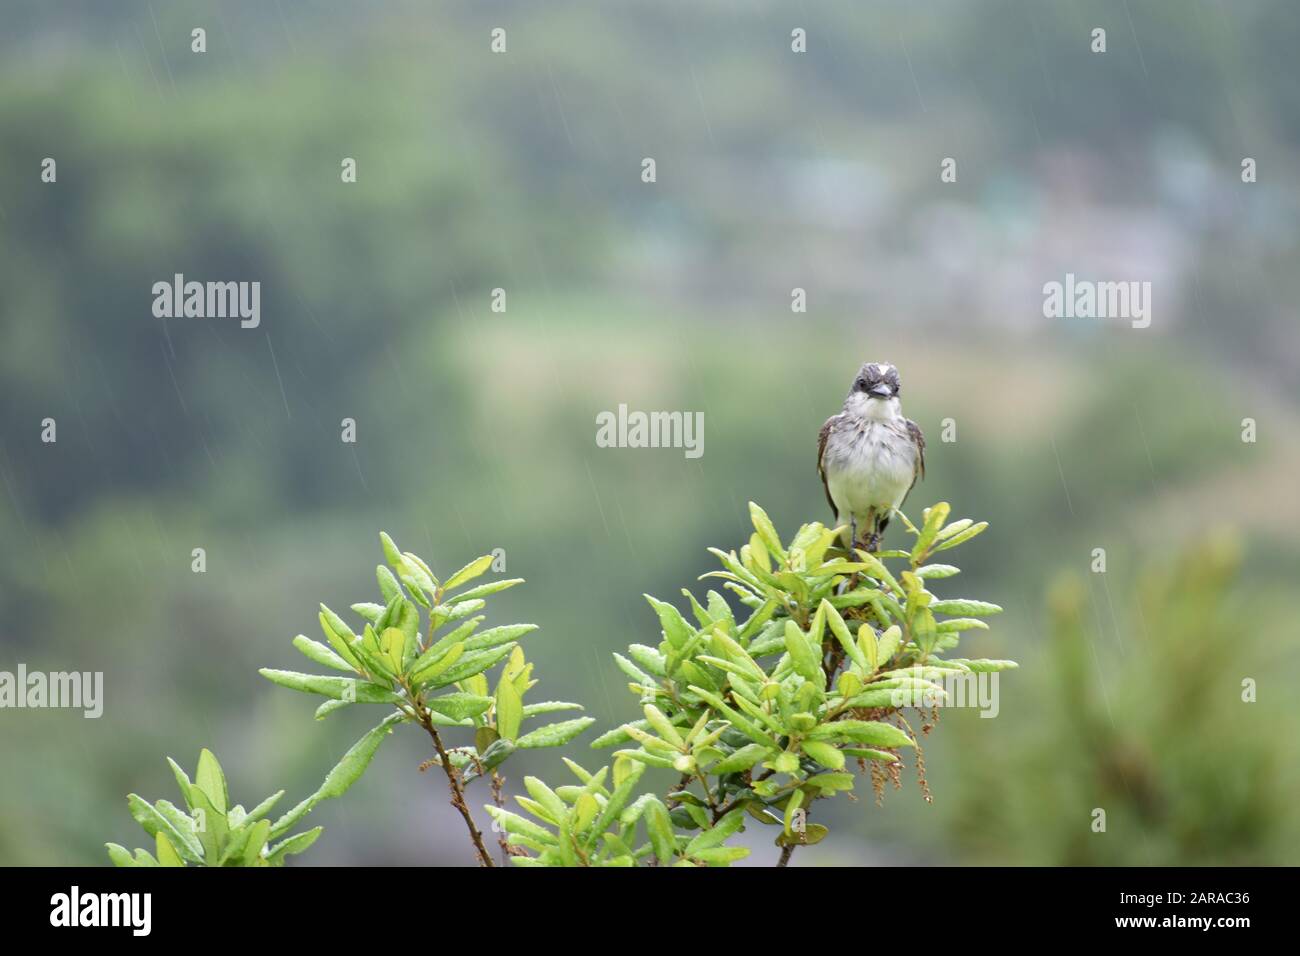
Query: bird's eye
x,y
862,385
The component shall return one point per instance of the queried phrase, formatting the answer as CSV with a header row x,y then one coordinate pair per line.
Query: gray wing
x,y
918,439
821,462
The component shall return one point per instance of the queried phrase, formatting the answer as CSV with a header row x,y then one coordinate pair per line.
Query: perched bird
x,y
869,456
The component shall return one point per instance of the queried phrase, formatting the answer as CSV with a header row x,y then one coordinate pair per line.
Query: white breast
x,y
873,469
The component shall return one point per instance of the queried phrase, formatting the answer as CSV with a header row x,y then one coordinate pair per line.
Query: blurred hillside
x,y
476,429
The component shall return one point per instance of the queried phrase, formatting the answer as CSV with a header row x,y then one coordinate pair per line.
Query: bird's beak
x,y
882,391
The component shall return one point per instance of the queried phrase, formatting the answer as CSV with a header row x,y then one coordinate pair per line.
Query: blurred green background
x,y
476,429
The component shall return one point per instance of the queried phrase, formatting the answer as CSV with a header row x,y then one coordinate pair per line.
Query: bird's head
x,y
874,393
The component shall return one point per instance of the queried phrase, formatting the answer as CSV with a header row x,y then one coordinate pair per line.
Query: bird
x,y
869,456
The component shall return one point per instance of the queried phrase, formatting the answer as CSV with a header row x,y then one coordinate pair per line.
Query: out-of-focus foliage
x,y
521,171
1158,737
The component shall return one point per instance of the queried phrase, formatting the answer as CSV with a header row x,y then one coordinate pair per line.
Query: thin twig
x,y
457,790
498,784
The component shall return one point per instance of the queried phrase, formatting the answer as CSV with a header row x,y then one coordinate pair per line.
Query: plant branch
x,y
498,783
457,790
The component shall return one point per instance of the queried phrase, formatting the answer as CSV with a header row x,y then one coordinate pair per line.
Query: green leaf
x,y
585,809
182,827
494,755
649,658
934,516
119,854
392,553
722,855
663,726
210,824
415,575
209,778
937,571
510,709
784,762
345,773
676,630
514,823
328,707
437,658
890,641
866,753
954,624
899,697
354,763
459,705
876,569
389,586
409,624
475,684
295,844
631,670
320,654
956,539
392,646
965,606
370,612
468,665
549,707
495,636
741,759
340,637
337,688
659,827
871,732
153,821
831,782
618,735
956,527
734,654
617,800
806,660
483,590
554,735
844,636
766,530
986,666
825,754
468,573
812,833
182,781
257,837
738,720
333,625
263,808
716,835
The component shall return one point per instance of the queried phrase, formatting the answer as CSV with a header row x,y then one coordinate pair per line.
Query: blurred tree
x,y
1186,771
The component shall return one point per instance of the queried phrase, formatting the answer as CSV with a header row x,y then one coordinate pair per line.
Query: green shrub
x,y
758,719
